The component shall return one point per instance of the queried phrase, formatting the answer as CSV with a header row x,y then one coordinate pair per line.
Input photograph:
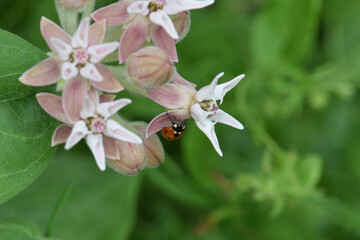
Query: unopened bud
x,y
150,67
132,158
73,4
153,146
181,22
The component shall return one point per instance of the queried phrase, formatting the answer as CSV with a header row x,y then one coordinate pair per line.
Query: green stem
x,y
89,8
68,18
57,207
257,127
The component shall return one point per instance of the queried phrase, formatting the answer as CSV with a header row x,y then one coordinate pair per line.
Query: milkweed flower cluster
x,y
147,44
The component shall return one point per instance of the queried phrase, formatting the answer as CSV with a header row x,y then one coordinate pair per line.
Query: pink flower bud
x,y
72,4
150,67
153,146
181,22
132,158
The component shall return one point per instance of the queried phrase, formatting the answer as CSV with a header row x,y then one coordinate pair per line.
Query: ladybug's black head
x,y
178,127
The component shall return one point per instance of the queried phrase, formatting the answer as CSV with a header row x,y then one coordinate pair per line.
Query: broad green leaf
x,y
101,205
25,129
17,56
12,228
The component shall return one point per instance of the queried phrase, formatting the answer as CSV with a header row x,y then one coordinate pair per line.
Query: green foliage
x,y
26,129
291,174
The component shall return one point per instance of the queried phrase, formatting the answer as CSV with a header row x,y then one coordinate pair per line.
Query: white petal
x,y
139,7
88,108
177,6
107,109
225,118
95,143
223,88
89,71
68,70
205,125
62,48
161,18
81,36
208,92
79,131
115,130
98,52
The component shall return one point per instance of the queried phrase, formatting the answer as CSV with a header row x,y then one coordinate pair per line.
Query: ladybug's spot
x,y
169,138
166,131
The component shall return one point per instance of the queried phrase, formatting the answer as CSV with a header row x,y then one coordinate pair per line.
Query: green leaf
x,y
19,229
25,129
101,205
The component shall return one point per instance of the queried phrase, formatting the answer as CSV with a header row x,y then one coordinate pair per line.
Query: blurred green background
x,y
291,174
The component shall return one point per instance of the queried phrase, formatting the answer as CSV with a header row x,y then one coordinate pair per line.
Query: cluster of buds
x,y
87,107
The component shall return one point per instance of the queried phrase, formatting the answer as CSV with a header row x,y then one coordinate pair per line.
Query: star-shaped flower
x,y
93,124
77,61
145,15
183,102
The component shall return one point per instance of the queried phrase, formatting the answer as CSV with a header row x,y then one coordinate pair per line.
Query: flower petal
x,y
109,82
115,130
46,72
133,37
222,89
164,120
110,147
60,135
107,98
89,71
88,109
205,125
114,14
208,92
163,40
97,33
171,96
189,86
52,105
161,18
62,49
73,96
107,109
81,36
79,131
99,52
69,70
49,30
95,143
177,6
225,118
139,7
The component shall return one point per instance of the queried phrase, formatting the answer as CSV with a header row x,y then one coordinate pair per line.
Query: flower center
x,y
80,56
209,106
96,124
155,5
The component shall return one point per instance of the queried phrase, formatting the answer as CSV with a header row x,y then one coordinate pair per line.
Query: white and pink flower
x,y
182,101
93,124
77,61
147,15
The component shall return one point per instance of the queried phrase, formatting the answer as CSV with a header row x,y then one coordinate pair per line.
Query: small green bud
x,y
132,158
153,146
150,67
182,22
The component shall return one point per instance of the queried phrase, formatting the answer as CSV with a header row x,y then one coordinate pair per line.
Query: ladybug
x,y
175,131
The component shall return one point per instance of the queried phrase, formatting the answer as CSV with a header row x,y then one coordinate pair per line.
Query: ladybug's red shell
x,y
170,134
